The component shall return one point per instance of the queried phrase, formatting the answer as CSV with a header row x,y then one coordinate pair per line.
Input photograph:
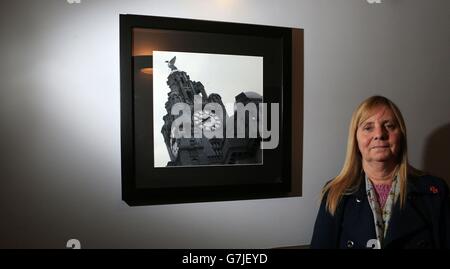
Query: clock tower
x,y
201,150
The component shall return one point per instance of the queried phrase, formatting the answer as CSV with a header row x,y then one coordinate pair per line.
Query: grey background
x,y
60,116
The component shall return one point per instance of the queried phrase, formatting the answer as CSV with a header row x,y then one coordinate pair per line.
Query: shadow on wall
x,y
437,153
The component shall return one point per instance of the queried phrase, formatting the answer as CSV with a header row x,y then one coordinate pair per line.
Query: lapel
x,y
408,219
358,221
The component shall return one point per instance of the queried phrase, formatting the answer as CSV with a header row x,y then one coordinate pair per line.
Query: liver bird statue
x,y
171,63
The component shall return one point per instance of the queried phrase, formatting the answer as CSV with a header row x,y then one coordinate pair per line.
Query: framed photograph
x,y
210,111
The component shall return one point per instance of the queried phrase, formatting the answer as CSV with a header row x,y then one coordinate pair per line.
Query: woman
x,y
378,200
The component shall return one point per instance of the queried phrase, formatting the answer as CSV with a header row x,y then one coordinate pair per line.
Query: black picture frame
x,y
281,173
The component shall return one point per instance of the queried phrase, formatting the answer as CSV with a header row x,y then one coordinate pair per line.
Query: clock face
x,y
207,120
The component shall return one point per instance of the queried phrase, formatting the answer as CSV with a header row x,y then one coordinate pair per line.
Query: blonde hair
x,y
349,179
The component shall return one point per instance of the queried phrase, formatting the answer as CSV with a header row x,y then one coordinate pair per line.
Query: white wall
x,y
60,115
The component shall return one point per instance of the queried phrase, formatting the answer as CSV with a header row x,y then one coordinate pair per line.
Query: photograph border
x,y
291,125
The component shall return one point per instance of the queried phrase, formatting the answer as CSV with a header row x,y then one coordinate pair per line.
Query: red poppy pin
x,y
434,190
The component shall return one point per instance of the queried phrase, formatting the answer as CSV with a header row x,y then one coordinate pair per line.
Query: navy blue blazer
x,y
423,222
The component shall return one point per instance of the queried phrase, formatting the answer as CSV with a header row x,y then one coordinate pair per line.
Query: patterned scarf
x,y
382,216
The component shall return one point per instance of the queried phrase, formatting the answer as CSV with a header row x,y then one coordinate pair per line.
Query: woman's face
x,y
379,137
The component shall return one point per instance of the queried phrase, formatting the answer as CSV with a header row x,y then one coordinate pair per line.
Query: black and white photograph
x,y
206,104
220,79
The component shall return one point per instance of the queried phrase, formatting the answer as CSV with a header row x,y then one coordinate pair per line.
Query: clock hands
x,y
206,119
